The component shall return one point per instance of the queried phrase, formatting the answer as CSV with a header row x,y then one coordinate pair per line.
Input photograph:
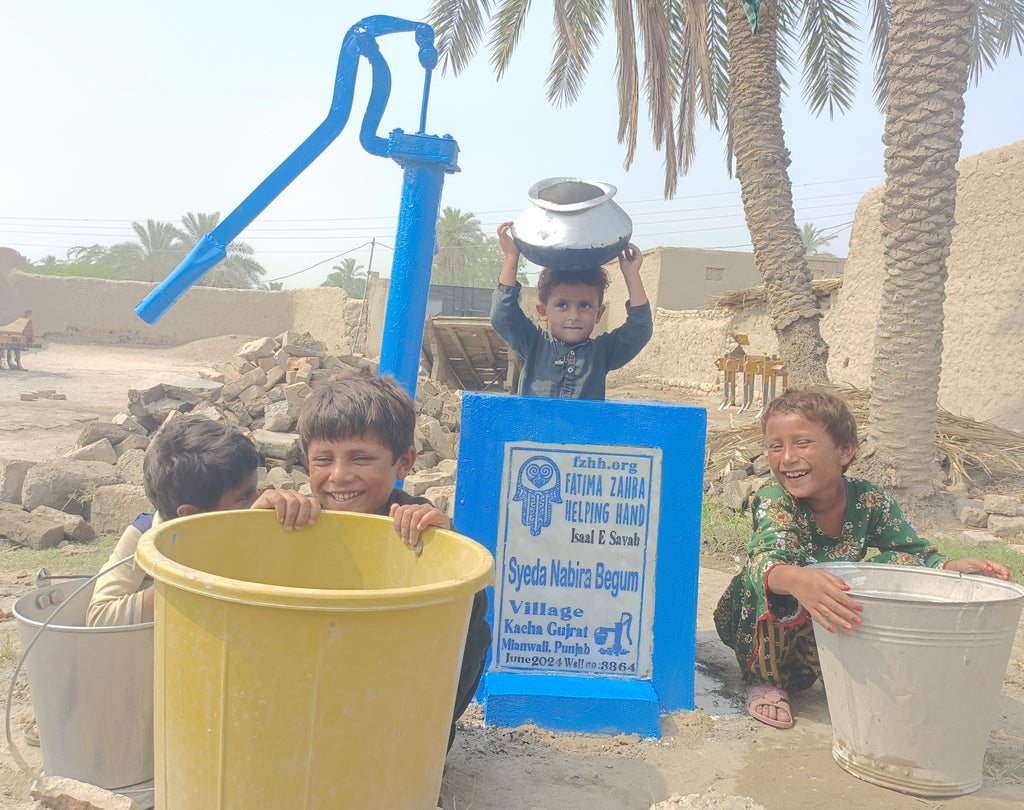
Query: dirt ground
x,y
714,751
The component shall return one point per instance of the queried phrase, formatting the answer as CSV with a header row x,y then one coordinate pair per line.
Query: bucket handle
x,y
29,771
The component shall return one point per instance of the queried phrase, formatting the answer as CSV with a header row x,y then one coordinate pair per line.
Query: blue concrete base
x,y
571,703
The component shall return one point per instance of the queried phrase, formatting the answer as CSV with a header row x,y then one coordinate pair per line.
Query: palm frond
x,y
881,19
458,27
626,76
718,53
830,55
506,29
996,26
652,19
578,27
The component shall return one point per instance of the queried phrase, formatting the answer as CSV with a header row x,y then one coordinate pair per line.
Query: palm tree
x,y
698,58
934,50
459,238
814,239
273,285
238,270
152,258
348,275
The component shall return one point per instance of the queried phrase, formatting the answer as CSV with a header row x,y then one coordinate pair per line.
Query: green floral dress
x,y
785,533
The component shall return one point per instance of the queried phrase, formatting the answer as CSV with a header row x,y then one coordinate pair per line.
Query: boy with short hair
x,y
567,363
193,465
358,436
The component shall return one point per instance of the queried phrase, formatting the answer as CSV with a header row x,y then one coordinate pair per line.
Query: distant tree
x,y
238,270
273,285
465,257
458,237
814,239
348,275
152,258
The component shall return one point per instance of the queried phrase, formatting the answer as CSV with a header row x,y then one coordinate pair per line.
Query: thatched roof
x,y
737,299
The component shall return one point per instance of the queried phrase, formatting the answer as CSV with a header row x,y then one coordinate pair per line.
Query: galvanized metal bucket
x,y
92,688
912,691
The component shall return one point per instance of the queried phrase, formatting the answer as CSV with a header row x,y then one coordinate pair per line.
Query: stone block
x,y
231,390
974,516
76,528
1001,505
274,445
979,539
26,529
279,478
99,450
1004,525
278,417
12,478
129,466
66,484
115,506
62,793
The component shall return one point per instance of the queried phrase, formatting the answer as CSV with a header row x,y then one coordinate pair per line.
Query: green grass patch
x,y
723,532
75,558
954,547
1004,766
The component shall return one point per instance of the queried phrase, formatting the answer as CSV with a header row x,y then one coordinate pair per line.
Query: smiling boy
x,y
565,361
358,435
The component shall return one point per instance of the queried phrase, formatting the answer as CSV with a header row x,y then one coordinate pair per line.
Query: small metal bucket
x,y
92,689
912,691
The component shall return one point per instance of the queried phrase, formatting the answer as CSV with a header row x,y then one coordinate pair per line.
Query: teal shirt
x,y
552,368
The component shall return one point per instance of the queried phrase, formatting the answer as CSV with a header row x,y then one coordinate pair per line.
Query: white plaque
x,y
577,542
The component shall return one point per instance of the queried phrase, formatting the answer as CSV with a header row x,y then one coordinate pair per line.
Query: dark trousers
x,y
474,657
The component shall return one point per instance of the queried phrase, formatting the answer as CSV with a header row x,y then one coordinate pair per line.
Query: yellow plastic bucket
x,y
306,669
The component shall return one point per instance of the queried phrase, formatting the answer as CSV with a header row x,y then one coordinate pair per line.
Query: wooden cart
x,y
15,337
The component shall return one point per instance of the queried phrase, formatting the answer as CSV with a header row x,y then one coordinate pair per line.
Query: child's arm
x,y
293,509
630,261
822,594
510,266
978,565
412,519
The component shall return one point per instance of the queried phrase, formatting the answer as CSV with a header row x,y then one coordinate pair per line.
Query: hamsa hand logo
x,y
538,486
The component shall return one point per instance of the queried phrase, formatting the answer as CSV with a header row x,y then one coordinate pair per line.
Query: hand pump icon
x,y
425,160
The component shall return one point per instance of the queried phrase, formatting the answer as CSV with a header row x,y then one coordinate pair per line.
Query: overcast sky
x,y
121,111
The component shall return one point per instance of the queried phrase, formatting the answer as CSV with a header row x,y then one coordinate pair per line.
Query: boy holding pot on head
x,y
565,361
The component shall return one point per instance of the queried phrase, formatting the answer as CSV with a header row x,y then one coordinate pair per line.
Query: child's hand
x,y
630,260
822,594
413,518
978,565
507,243
293,509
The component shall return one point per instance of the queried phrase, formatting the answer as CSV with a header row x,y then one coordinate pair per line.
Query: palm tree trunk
x,y
762,162
929,61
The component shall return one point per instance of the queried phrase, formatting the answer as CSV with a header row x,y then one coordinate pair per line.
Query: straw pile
x,y
738,299
974,452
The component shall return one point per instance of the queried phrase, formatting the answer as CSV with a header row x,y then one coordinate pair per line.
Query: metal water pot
x,y
573,223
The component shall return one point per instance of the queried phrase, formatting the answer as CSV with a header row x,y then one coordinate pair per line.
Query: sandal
x,y
760,696
31,734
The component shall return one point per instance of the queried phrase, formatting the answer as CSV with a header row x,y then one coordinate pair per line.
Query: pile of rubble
x,y
97,488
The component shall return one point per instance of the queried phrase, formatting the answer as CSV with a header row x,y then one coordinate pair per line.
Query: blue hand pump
x,y
425,160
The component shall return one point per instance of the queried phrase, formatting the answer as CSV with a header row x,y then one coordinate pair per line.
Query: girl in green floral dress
x,y
810,512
